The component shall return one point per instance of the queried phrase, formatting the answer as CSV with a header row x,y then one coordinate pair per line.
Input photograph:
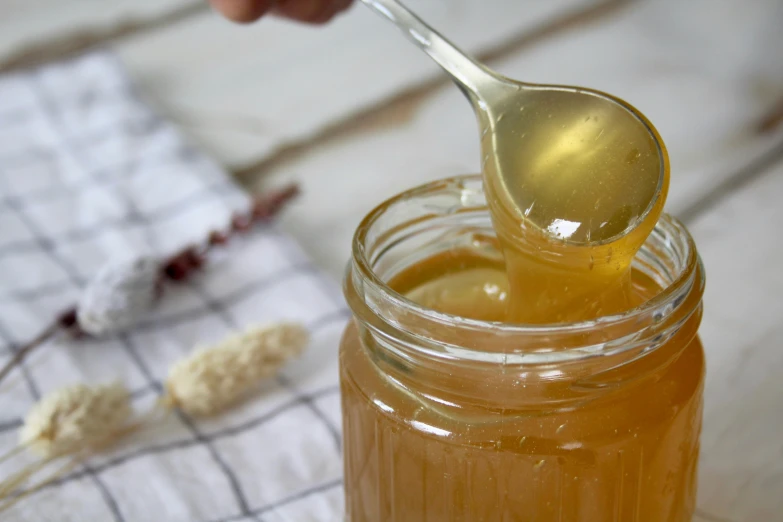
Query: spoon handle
x,y
466,73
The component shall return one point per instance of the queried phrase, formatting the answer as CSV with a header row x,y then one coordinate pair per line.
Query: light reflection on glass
x,y
441,400
430,429
382,405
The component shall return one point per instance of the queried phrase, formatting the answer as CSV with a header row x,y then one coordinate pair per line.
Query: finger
x,y
336,7
242,11
342,5
309,11
328,14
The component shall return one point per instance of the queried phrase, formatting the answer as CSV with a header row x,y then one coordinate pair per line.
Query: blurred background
x,y
353,111
356,114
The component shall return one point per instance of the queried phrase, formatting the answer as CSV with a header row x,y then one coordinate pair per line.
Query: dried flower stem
x,y
7,455
11,484
67,467
176,268
65,321
8,485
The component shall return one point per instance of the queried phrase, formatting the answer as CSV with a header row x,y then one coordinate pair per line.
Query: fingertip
x,y
338,7
242,11
323,18
307,11
344,5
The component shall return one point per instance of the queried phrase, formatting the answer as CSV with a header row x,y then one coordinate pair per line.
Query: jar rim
x,y
690,277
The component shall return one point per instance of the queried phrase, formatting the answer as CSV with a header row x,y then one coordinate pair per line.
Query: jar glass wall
x,y
454,419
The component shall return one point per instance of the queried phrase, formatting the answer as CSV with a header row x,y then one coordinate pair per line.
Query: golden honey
x,y
454,411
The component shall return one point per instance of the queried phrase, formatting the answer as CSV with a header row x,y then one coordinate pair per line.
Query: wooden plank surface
x,y
245,92
35,30
741,474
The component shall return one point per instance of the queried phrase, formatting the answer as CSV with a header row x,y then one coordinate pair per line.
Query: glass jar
x,y
451,419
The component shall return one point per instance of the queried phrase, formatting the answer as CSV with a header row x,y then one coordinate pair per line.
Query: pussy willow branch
x,y
176,268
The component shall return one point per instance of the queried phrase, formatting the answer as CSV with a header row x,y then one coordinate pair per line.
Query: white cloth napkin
x,y
89,173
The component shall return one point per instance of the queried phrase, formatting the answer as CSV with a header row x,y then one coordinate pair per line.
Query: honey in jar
x,y
485,379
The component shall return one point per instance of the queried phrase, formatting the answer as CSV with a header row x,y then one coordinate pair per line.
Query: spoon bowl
x,y
580,165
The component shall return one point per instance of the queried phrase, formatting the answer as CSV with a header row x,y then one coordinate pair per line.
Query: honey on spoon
x,y
575,178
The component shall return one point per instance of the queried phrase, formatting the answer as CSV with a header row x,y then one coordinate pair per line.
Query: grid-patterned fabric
x,y
89,173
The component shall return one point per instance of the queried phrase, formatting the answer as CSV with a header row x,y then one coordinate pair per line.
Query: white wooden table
x,y
355,115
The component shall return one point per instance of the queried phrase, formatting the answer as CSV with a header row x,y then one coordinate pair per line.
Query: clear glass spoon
x,y
581,165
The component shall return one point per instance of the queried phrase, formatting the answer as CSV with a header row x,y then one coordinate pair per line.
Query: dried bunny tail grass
x,y
215,378
75,418
70,422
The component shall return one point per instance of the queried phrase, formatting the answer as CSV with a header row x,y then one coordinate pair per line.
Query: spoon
x,y
580,165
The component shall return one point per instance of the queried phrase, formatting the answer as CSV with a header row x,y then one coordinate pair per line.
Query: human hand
x,y
309,11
